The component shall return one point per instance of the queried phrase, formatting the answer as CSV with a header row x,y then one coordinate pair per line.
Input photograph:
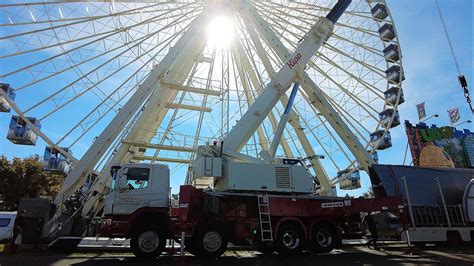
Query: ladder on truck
x,y
264,214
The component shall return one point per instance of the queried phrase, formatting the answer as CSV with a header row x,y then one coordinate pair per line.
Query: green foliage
x,y
25,178
369,193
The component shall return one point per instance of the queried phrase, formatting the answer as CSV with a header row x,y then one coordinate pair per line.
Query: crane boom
x,y
258,111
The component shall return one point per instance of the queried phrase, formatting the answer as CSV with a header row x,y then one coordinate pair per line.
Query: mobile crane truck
x,y
267,202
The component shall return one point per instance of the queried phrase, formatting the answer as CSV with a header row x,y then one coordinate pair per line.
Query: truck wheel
x,y
209,243
147,243
453,239
290,240
190,246
323,239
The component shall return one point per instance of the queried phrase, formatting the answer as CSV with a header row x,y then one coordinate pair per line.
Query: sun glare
x,y
220,32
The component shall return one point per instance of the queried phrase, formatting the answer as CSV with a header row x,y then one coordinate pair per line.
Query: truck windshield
x,y
137,178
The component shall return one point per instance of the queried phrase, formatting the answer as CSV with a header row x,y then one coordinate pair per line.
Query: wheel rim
x,y
324,238
212,241
148,241
291,239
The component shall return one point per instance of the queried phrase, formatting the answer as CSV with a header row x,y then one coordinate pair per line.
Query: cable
x,y
461,78
448,38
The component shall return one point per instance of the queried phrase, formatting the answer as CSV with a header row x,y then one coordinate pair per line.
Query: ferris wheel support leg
x,y
247,66
240,65
79,173
153,113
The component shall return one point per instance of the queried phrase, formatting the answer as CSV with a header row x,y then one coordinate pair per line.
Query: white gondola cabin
x,y
392,94
349,179
379,143
379,11
386,115
21,133
10,92
54,161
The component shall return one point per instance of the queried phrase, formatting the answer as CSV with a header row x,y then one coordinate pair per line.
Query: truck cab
x,y
136,186
135,189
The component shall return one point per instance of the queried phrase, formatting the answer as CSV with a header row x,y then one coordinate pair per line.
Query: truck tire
x,y
453,239
323,239
290,239
190,246
147,243
209,243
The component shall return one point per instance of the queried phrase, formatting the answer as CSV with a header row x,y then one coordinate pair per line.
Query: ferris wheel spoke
x,y
76,21
375,70
97,36
114,102
327,130
85,126
364,105
95,84
138,42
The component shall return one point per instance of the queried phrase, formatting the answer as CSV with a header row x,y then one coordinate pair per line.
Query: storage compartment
x,y
240,176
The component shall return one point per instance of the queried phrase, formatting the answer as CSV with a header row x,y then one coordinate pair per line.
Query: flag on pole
x,y
421,110
454,115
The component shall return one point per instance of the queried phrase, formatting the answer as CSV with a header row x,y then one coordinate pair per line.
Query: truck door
x,y
134,189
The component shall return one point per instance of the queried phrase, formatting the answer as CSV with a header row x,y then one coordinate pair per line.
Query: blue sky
x,y
431,76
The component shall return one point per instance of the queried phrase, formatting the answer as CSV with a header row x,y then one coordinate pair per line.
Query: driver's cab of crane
x,y
137,185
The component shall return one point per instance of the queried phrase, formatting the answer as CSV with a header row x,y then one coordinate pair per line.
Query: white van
x,y
7,220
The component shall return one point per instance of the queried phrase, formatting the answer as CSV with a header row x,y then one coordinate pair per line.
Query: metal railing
x,y
432,216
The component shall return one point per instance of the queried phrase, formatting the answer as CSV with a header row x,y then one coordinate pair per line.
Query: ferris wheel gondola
x,y
87,60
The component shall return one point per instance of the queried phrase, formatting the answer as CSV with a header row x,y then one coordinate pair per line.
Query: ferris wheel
x,y
75,71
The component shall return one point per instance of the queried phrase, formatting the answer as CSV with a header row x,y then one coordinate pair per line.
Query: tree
x,y
25,178
369,193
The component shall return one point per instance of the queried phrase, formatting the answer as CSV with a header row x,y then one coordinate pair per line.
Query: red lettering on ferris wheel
x,y
293,61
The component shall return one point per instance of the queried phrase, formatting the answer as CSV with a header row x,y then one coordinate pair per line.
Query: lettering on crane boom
x,y
336,204
293,61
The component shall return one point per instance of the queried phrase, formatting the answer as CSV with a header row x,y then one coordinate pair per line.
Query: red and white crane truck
x,y
139,208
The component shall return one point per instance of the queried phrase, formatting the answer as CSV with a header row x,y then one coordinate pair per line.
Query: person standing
x,y
371,225
19,227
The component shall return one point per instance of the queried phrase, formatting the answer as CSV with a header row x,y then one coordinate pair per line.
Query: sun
x,y
220,32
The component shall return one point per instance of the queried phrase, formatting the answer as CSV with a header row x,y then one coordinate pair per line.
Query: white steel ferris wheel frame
x,y
134,119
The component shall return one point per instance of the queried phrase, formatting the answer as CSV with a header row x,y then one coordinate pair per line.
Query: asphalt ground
x,y
353,255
